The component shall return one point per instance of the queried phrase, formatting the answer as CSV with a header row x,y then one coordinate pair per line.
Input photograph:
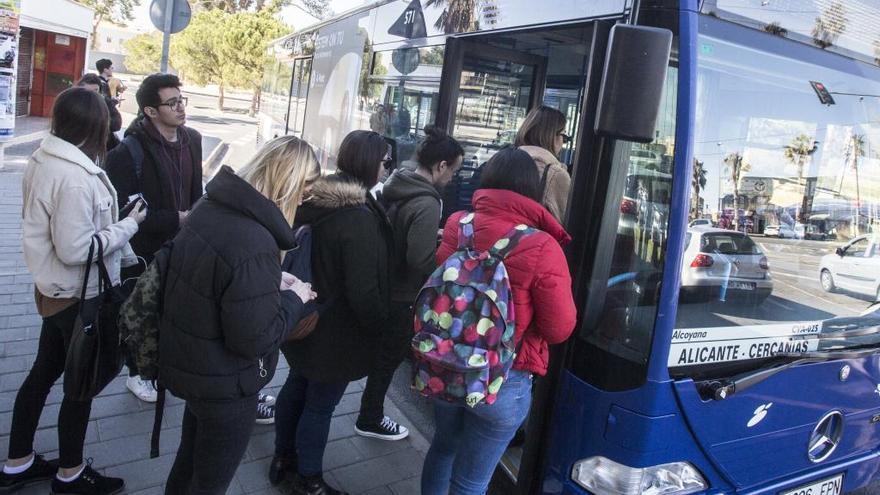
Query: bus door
x,y
485,95
489,84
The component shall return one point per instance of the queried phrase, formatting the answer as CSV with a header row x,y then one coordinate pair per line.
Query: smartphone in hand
x,y
133,200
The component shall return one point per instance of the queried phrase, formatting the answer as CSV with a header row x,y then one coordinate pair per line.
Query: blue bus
x,y
708,357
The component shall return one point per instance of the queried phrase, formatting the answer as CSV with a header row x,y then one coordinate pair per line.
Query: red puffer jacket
x,y
537,268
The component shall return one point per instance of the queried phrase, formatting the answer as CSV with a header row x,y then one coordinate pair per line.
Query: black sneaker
x,y
281,467
265,413
387,429
316,485
266,399
89,482
40,470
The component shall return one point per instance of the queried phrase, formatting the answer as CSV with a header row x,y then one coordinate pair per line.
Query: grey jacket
x,y
414,208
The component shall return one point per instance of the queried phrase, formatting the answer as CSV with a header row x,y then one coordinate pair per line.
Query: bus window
x,y
401,94
274,94
792,190
618,346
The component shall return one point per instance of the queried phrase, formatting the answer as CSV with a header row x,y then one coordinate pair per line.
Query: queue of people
x,y
230,307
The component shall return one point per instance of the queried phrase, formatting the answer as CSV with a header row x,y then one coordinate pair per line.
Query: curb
x,y
212,163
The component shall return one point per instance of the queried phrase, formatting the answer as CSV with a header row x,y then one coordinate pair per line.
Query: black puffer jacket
x,y
224,315
351,240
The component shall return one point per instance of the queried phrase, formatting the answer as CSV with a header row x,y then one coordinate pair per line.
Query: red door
x,y
58,63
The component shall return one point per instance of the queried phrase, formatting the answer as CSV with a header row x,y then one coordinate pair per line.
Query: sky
x,y
291,15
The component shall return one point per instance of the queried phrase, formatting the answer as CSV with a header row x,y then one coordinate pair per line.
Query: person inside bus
x,y
468,442
542,135
351,246
233,306
68,202
414,207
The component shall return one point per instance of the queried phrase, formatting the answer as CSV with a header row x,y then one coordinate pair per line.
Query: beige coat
x,y
67,200
558,181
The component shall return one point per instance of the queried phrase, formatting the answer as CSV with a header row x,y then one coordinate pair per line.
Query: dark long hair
x,y
360,156
514,170
438,147
80,117
541,127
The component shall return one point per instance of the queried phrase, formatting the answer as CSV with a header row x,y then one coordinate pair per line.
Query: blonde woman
x,y
542,135
232,308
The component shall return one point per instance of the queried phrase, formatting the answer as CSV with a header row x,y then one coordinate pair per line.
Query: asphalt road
x,y
797,294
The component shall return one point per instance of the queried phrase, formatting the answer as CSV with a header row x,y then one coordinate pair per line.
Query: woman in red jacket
x,y
468,442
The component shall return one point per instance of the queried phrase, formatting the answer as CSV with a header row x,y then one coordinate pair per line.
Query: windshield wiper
x,y
725,387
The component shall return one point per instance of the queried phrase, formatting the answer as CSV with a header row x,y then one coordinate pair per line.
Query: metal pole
x,y
166,35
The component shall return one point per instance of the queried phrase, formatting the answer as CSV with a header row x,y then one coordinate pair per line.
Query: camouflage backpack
x,y
464,322
141,314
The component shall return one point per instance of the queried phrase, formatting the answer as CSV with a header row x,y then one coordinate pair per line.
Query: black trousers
x,y
395,347
214,438
73,418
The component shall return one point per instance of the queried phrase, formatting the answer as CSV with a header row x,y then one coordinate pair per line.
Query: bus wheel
x,y
827,281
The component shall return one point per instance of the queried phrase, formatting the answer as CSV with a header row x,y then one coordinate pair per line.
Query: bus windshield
x,y
788,188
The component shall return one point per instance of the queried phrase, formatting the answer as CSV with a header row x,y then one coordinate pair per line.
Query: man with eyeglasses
x,y
161,159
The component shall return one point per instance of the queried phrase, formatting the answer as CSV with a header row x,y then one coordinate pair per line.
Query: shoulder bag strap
x,y
105,282
82,296
506,244
544,180
466,232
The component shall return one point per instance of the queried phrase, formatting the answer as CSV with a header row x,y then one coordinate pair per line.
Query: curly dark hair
x,y
148,93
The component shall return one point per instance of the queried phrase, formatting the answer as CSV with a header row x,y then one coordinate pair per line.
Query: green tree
x,y
315,8
243,45
196,51
737,165
115,11
801,147
143,53
830,25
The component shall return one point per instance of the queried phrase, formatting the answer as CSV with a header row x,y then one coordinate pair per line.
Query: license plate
x,y
828,486
741,285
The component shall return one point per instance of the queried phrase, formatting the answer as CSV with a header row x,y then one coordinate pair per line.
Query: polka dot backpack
x,y
464,322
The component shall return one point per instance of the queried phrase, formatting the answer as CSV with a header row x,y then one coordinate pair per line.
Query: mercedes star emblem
x,y
825,437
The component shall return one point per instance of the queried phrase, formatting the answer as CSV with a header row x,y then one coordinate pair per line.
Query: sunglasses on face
x,y
565,137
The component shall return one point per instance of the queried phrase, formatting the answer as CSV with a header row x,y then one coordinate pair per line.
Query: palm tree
x,y
459,16
830,25
737,166
857,149
698,182
800,148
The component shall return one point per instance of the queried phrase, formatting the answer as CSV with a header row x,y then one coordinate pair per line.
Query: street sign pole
x,y
166,34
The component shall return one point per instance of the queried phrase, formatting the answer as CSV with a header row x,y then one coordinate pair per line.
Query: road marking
x,y
783,306
820,298
793,275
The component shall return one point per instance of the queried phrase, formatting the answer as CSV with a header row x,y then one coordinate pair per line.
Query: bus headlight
x,y
603,476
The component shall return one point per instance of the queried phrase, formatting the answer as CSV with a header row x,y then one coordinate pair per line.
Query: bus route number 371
x,y
828,486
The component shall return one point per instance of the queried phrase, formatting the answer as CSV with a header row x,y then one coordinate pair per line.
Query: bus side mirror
x,y
632,82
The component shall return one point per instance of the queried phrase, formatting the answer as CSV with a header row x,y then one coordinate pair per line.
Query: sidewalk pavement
x,y
118,436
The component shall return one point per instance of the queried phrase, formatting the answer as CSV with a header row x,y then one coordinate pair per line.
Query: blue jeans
x,y
303,412
468,442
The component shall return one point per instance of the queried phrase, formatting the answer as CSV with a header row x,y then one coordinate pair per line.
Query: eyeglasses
x,y
565,137
176,103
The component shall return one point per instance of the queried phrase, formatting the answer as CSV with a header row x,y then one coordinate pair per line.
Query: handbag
x,y
94,356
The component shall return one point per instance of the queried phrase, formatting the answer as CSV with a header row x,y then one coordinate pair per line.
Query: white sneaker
x,y
142,389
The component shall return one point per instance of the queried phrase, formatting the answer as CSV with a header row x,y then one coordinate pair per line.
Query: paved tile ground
x,y
119,431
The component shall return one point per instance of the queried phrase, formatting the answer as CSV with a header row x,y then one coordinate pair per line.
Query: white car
x,y
720,264
700,222
782,231
854,267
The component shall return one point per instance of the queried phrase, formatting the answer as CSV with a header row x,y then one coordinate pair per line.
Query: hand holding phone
x,y
135,209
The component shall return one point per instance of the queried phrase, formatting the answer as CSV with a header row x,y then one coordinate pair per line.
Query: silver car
x,y
854,267
723,264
